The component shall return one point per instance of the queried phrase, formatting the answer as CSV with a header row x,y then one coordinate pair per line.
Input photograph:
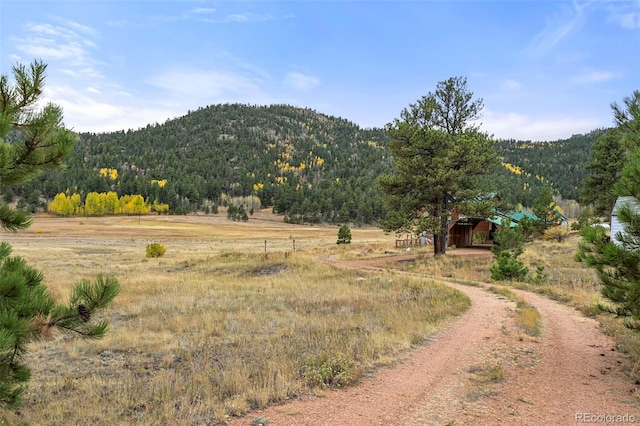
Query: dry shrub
x,y
555,233
155,250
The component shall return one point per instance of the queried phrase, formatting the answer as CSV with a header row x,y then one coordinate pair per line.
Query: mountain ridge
x,y
304,164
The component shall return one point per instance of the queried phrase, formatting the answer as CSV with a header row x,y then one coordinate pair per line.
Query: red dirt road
x,y
569,374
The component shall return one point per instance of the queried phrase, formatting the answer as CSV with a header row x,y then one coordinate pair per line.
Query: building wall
x,y
616,226
461,235
483,227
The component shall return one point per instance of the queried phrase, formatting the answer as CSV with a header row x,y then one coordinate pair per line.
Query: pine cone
x,y
84,312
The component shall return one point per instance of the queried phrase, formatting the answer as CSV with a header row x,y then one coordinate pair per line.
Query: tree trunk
x,y
440,243
440,238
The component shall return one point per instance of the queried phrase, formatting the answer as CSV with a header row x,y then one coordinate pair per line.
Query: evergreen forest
x,y
302,164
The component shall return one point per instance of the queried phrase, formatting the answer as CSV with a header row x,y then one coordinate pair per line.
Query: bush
x,y
540,277
155,250
508,267
344,235
555,233
480,238
330,371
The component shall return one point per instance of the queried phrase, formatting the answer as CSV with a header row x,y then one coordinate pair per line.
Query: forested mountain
x,y
296,160
528,165
306,165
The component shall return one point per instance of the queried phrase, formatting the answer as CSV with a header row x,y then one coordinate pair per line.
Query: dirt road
x,y
484,370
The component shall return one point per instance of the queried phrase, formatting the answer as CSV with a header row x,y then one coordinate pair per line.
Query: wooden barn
x,y
465,231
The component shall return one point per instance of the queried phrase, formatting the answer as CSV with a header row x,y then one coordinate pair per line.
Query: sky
x,y
545,69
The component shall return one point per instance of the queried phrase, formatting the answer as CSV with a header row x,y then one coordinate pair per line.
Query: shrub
x,y
480,238
330,371
508,267
155,250
555,233
344,235
540,277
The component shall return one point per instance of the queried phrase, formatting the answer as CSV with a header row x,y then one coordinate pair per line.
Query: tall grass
x,y
201,337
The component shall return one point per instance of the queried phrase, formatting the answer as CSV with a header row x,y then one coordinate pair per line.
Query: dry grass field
x,y
232,319
216,326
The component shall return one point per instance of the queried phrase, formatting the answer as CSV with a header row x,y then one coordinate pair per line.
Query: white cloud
x,y
594,76
512,85
203,84
629,20
77,26
300,81
202,10
557,28
86,113
60,43
237,18
49,49
49,29
541,128
624,14
118,23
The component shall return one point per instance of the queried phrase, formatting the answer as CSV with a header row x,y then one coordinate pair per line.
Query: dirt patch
x,y
269,270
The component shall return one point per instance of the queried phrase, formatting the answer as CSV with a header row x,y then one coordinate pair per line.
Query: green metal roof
x,y
498,221
518,216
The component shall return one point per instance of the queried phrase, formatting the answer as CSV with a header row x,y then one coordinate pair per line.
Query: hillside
x,y
306,165
557,163
294,160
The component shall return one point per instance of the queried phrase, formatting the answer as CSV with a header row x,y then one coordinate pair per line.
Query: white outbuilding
x,y
616,225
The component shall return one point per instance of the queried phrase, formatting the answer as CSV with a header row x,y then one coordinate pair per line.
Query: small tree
x,y
237,213
527,226
33,140
508,245
544,208
344,235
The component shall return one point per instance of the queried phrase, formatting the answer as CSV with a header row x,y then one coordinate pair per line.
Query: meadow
x,y
236,316
219,325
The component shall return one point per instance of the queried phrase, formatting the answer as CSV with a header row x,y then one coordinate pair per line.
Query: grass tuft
x,y
482,380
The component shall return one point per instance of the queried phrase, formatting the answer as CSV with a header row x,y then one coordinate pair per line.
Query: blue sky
x,y
545,69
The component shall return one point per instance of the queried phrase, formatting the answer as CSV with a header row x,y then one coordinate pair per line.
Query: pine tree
x,y
608,155
344,235
543,207
617,262
508,244
439,155
33,140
